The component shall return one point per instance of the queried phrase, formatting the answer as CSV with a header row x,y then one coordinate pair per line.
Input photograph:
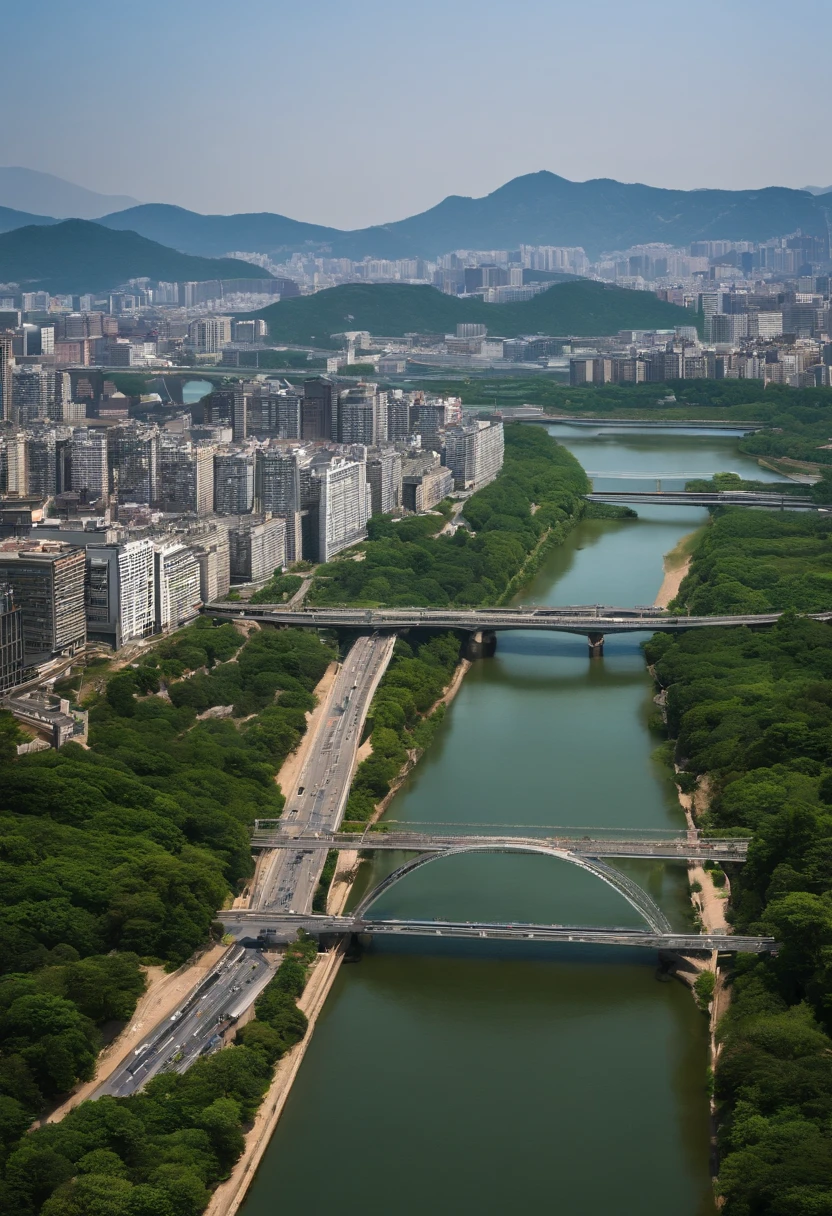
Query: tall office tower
x,y
48,584
257,550
319,409
177,585
11,640
277,481
362,415
61,397
6,366
186,476
239,415
133,457
384,477
42,464
474,453
121,584
233,483
427,418
343,507
17,466
209,334
88,462
280,416
218,407
213,553
31,391
398,416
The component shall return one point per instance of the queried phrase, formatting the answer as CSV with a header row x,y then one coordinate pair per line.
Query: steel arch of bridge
x,y
635,895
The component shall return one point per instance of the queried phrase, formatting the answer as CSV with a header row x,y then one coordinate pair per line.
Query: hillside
x,y
46,194
215,235
538,208
11,219
78,256
580,308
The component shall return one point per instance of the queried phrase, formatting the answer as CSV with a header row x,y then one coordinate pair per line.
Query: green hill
x,y
79,256
580,308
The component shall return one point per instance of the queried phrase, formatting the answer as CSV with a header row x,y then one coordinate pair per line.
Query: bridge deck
x,y
273,926
680,849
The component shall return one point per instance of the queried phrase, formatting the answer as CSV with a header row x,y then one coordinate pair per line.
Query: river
x,y
483,1078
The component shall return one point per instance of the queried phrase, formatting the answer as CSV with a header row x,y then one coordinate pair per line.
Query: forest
x,y
751,716
118,855
405,562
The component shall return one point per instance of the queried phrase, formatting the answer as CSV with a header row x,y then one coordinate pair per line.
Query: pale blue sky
x,y
351,112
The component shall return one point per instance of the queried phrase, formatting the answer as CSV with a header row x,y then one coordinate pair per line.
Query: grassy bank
x,y
752,713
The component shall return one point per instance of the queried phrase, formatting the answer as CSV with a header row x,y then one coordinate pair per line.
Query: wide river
x,y
480,1078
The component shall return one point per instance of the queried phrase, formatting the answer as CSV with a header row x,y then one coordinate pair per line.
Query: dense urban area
x,y
265,509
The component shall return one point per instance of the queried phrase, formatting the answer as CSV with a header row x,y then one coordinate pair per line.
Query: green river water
x,y
485,1078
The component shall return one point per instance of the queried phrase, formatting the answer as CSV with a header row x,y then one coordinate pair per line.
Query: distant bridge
x,y
707,498
279,927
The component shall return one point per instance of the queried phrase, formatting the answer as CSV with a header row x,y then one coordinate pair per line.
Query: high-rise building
x,y
384,477
11,640
233,483
6,366
88,462
274,415
47,580
398,417
277,481
258,549
120,591
474,453
343,505
32,388
17,465
186,476
319,409
362,415
209,335
133,457
177,585
213,553
42,464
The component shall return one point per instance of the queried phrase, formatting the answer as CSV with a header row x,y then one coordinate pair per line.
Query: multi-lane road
x,y
286,878
196,1027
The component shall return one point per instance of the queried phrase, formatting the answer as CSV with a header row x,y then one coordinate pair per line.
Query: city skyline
x,y
455,97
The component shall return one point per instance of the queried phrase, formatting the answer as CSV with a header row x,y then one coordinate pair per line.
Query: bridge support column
x,y
481,645
596,645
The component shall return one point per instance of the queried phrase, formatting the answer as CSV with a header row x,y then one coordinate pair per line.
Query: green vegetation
x,y
760,561
130,847
578,307
278,589
754,712
161,1152
400,726
79,256
704,988
405,563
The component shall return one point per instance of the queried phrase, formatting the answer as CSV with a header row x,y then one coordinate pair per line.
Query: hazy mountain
x,y
214,235
537,209
818,189
78,256
580,307
47,195
10,219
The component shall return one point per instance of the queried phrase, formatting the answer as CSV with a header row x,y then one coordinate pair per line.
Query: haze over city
x,y
349,115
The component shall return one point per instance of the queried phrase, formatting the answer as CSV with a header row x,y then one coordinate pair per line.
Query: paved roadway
x,y
287,880
195,1028
284,928
681,849
571,620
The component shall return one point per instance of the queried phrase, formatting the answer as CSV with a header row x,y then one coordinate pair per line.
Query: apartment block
x,y
233,483
474,453
177,585
384,477
47,581
257,550
120,591
343,505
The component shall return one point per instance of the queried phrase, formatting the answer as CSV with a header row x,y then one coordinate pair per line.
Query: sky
x,y
356,112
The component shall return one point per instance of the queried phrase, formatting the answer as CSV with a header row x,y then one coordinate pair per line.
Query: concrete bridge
x,y
697,498
278,927
484,623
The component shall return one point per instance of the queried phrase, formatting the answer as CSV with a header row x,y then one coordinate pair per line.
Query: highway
x,y
680,849
196,1026
272,926
287,880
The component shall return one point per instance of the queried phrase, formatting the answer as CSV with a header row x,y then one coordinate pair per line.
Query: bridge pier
x,y
596,645
481,645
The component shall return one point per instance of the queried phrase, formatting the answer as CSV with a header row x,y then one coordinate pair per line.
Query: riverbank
x,y
676,564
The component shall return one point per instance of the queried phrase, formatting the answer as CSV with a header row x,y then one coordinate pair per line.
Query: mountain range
x,y
78,256
579,308
46,195
537,209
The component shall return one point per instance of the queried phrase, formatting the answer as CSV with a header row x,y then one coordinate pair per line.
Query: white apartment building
x,y
345,504
177,585
474,453
208,335
88,462
120,591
